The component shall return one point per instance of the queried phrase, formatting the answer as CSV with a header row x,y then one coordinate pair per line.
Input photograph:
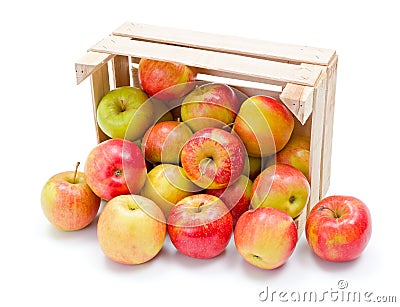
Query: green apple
x,y
124,113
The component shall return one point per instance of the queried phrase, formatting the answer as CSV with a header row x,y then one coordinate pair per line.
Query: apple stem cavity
x,y
292,199
335,214
257,257
76,171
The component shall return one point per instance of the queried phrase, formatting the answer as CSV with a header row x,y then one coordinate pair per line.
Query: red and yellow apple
x,y
338,228
264,124
265,237
213,158
200,226
296,153
210,105
236,196
115,167
165,80
163,142
283,187
167,184
68,202
125,113
131,229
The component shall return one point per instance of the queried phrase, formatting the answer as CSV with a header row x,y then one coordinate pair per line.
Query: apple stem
x,y
123,105
76,171
198,208
335,215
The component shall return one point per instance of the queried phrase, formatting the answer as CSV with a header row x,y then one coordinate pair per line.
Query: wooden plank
x,y
247,92
89,63
300,222
100,86
230,44
328,127
135,72
211,62
317,130
299,100
121,68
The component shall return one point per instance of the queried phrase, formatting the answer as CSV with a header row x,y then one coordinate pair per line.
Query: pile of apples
x,y
200,162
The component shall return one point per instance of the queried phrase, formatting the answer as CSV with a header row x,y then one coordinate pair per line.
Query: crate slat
x,y
121,69
328,127
235,66
89,63
316,141
299,100
230,44
100,85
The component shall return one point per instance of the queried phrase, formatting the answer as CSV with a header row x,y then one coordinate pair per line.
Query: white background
x,y
47,125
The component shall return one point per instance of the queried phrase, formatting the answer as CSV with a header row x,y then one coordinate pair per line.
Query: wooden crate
x,y
303,78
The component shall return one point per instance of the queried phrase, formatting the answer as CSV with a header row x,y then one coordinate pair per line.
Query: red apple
x,y
68,202
163,142
210,105
236,196
265,237
115,167
200,226
264,124
283,187
213,158
167,184
296,153
165,80
338,228
131,229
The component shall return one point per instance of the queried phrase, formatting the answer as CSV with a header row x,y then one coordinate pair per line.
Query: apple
x,y
115,167
124,113
236,196
296,153
131,229
167,184
213,158
338,228
200,226
165,80
68,202
264,124
265,237
161,111
283,187
210,105
163,142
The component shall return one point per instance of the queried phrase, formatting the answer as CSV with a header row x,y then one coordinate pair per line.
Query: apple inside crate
x,y
303,78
